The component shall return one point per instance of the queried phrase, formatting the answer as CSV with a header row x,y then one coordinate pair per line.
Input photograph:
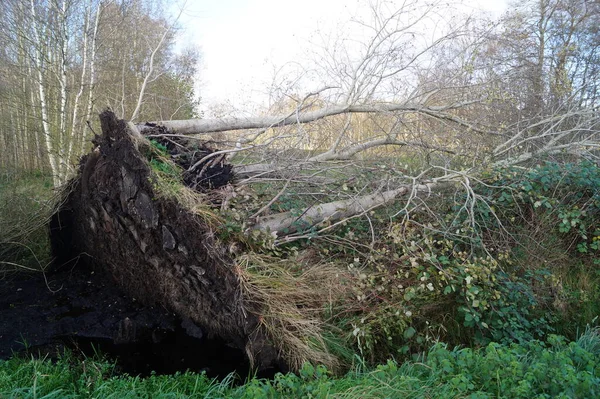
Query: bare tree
x,y
433,104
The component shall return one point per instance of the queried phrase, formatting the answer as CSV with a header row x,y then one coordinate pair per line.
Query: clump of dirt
x,y
203,168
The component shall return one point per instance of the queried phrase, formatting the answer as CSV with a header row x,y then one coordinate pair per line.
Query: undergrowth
x,y
513,259
511,262
26,203
556,368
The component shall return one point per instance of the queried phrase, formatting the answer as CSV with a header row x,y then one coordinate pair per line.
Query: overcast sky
x,y
241,40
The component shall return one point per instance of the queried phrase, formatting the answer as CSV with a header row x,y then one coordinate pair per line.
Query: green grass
x,y
555,369
26,202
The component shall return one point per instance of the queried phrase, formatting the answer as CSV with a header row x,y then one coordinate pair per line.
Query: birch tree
x,y
62,53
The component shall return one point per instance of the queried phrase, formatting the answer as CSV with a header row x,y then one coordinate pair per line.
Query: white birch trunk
x,y
63,135
76,104
287,223
92,81
53,158
199,126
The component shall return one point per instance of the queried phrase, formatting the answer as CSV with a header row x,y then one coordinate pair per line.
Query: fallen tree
x,y
569,134
388,133
396,112
157,232
159,240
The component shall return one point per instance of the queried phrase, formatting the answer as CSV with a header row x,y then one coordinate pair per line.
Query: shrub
x,y
512,261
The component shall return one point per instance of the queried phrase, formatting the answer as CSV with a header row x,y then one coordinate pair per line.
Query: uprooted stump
x,y
130,215
156,250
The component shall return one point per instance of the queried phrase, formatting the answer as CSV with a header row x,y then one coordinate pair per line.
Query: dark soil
x,y
88,314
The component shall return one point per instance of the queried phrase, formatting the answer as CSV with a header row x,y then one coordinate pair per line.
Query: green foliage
x,y
562,201
512,314
510,262
405,302
70,377
159,148
568,194
167,176
532,370
229,230
517,300
557,369
158,156
165,168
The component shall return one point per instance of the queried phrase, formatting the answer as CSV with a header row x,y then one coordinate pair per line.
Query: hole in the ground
x,y
85,311
167,352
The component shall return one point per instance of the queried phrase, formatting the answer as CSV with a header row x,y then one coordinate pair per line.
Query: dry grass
x,y
288,296
197,204
26,207
291,299
169,186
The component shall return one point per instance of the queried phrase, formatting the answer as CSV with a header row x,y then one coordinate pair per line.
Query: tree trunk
x,y
200,126
288,222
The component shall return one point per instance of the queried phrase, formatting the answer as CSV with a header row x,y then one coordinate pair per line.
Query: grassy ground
x,y
555,369
26,201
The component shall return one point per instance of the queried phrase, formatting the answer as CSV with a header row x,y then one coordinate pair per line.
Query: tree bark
x,y
200,126
288,222
53,155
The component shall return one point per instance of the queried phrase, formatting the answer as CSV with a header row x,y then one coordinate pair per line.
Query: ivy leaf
x,y
409,333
